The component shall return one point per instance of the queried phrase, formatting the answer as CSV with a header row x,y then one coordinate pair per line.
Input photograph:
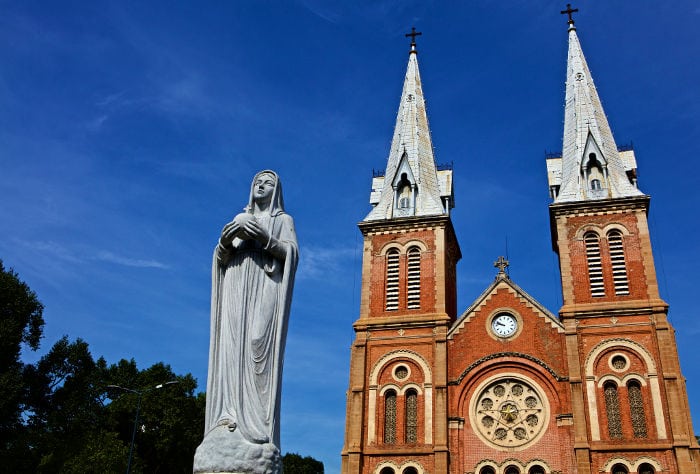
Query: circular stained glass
x,y
619,362
401,372
509,412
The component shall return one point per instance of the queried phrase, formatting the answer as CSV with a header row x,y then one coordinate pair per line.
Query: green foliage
x,y
295,464
103,452
69,413
21,322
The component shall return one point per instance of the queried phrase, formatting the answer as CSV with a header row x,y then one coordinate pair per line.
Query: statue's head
x,y
266,189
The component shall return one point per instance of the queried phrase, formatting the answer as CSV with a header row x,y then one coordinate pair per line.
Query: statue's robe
x,y
251,296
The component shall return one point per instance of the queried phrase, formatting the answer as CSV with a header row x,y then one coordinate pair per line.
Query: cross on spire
x,y
501,264
413,35
569,12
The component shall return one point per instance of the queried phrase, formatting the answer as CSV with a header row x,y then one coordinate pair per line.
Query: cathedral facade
x,y
506,386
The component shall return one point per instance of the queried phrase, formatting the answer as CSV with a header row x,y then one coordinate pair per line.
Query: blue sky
x,y
130,131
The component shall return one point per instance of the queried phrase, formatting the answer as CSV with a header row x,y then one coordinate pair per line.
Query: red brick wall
x,y
633,258
378,273
537,339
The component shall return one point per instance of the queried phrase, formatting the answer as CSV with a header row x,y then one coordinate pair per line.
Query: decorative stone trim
x,y
650,377
427,392
497,355
509,411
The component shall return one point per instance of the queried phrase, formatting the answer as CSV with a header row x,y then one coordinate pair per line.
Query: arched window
x,y
411,416
595,184
512,470
612,409
595,268
392,280
390,417
487,470
536,470
404,195
413,297
410,470
387,470
639,421
646,468
619,469
617,259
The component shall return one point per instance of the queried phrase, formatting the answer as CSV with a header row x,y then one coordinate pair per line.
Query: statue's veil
x,y
277,202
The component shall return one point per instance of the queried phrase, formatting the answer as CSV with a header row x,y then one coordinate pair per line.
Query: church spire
x,y
591,166
411,185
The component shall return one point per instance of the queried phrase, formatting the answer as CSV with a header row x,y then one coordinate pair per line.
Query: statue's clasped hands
x,y
244,226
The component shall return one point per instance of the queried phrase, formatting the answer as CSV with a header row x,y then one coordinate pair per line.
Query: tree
x,y
60,416
295,464
171,420
65,402
21,323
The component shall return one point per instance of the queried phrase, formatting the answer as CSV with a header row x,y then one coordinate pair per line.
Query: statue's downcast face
x,y
263,187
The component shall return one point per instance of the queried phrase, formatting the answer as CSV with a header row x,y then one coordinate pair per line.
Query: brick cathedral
x,y
506,386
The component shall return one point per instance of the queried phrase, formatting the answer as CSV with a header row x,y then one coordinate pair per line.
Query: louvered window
x,y
595,268
413,299
612,409
390,417
411,416
639,421
392,280
617,259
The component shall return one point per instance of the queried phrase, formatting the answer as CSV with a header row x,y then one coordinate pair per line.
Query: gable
x,y
483,330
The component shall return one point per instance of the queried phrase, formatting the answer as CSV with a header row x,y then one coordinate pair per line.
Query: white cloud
x,y
130,262
321,262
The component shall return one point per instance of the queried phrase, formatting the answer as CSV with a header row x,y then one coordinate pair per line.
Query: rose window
x,y
509,413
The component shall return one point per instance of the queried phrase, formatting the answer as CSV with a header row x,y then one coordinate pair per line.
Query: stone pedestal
x,y
225,451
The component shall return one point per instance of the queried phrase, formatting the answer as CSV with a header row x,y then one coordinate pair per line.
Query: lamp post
x,y
138,410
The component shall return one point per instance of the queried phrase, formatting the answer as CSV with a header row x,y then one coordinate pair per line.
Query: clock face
x,y
504,325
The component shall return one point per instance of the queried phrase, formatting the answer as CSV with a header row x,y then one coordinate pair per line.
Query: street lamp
x,y
138,409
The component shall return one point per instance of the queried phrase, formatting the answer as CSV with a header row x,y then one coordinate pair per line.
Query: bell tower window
x,y
405,196
392,280
413,267
617,259
595,267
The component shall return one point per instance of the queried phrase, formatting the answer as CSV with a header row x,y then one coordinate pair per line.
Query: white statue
x,y
252,281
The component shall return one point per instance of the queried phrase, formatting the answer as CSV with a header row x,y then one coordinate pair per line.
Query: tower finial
x,y
413,35
501,264
569,12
